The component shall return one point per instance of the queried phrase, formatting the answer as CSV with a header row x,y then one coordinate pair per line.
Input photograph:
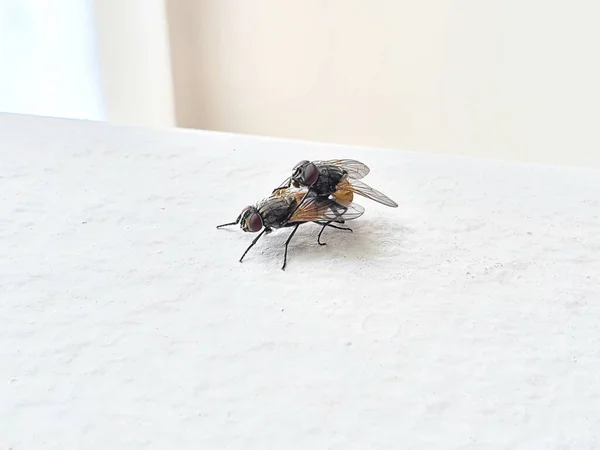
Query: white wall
x,y
48,59
133,45
503,78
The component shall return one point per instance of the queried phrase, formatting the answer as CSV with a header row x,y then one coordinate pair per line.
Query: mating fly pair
x,y
317,191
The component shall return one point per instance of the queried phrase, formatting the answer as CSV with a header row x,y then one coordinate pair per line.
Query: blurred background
x,y
509,79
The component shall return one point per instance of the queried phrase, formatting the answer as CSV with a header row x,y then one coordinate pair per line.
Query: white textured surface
x,y
469,317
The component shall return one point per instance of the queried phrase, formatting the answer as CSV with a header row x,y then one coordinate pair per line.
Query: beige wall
x,y
135,68
501,78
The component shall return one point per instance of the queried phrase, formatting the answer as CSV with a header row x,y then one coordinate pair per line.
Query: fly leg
x,y
286,246
341,228
325,225
328,224
285,185
230,223
253,242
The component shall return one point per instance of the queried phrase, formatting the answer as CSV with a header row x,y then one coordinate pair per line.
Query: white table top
x,y
468,317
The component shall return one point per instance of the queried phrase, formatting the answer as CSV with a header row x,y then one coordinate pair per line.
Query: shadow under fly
x,y
288,207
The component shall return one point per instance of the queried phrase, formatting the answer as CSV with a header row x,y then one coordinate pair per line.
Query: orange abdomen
x,y
342,196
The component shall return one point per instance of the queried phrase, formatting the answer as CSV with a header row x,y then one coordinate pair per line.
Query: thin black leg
x,y
321,232
328,224
341,210
253,242
228,224
286,246
285,185
231,223
340,228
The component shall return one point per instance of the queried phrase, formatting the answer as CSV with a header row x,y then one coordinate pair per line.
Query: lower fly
x,y
288,207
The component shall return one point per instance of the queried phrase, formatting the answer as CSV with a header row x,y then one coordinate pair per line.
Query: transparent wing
x,y
325,209
360,188
356,170
338,212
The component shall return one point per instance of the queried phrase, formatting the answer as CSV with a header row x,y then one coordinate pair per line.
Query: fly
x,y
339,178
289,207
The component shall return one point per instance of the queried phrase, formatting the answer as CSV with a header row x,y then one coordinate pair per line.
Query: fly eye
x,y
301,163
255,222
310,174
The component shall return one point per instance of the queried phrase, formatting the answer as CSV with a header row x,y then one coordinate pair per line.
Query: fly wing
x,y
356,170
341,213
325,209
360,188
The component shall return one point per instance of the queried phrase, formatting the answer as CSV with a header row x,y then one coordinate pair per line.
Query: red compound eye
x,y
255,222
311,174
301,163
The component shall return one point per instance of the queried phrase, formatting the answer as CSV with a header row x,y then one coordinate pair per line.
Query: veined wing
x,y
325,209
356,170
360,188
